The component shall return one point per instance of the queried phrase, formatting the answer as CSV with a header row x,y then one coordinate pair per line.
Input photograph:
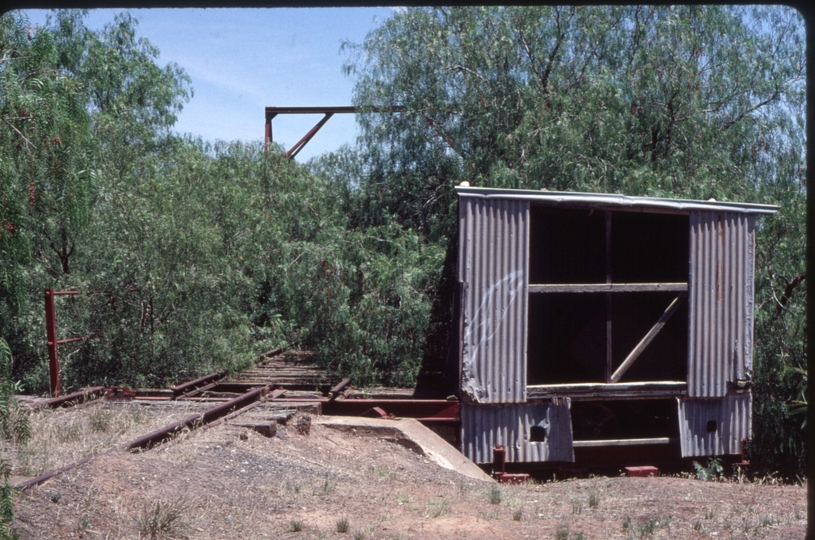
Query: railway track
x,y
275,389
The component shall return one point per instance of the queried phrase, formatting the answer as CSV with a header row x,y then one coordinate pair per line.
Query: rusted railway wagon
x,y
603,325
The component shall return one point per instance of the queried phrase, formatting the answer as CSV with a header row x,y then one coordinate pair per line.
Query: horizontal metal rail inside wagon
x,y
607,287
636,390
624,442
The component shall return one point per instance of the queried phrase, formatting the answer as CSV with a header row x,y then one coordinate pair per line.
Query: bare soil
x,y
233,483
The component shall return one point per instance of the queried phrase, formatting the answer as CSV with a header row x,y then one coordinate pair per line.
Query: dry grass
x,y
163,518
63,436
237,484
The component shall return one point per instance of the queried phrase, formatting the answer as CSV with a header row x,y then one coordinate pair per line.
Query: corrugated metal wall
x,y
720,296
485,426
733,418
492,265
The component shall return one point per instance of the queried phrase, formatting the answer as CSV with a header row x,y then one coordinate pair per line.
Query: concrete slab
x,y
412,434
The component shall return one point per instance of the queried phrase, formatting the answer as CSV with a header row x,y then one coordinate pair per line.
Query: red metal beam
x,y
80,338
271,112
425,409
304,141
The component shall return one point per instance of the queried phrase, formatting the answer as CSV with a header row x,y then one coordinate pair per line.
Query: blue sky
x,y
242,60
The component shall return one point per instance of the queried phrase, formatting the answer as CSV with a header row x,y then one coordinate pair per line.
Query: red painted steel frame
x,y
53,348
51,332
51,336
442,411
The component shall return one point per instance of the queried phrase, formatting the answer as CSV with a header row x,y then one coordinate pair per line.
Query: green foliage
x,y
6,503
494,495
13,419
13,425
710,472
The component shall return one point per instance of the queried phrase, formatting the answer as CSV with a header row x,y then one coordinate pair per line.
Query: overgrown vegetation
x,y
211,253
208,254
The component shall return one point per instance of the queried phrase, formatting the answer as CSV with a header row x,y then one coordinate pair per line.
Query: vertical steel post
x,y
53,347
268,136
609,314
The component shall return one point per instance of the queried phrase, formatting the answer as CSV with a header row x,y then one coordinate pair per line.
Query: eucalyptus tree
x,y
81,111
45,173
646,100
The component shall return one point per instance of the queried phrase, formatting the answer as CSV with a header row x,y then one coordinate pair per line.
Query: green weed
x,y
326,487
495,495
162,519
710,472
439,508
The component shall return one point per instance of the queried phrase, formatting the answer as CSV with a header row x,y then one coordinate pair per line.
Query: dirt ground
x,y
233,483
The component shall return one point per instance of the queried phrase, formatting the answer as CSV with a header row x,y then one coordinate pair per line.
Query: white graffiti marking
x,y
485,326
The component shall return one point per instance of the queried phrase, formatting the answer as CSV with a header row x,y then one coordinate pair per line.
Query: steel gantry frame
x,y
327,113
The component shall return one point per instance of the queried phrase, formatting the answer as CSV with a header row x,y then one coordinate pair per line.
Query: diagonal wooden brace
x,y
652,333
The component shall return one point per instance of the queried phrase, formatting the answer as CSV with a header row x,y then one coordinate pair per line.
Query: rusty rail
x,y
50,474
157,437
189,385
191,422
74,398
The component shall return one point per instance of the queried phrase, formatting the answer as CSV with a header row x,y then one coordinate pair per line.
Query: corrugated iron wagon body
x,y
594,320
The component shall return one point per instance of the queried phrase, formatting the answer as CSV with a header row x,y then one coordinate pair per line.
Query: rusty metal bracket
x,y
499,468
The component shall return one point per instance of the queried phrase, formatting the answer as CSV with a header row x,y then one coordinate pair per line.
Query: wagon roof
x,y
609,200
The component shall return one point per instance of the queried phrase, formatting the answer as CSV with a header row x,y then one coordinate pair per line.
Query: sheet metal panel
x,y
492,266
720,296
485,426
733,422
613,201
